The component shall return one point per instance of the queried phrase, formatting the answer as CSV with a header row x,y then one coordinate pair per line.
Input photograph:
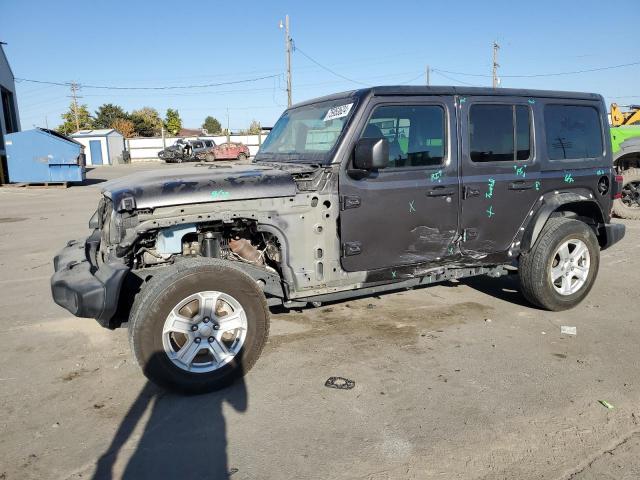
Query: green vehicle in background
x,y
625,140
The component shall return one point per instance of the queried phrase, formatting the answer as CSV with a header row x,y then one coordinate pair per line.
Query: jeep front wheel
x,y
628,206
198,326
562,266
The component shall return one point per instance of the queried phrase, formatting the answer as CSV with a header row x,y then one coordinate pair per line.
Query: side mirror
x,y
371,154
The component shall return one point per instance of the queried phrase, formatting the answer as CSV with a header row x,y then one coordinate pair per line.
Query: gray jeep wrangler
x,y
353,194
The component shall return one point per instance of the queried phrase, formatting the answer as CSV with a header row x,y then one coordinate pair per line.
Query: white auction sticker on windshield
x,y
338,112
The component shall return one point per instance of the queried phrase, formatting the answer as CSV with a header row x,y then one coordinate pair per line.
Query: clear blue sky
x,y
162,43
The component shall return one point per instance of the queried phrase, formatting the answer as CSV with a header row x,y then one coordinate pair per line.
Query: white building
x,y
102,147
9,121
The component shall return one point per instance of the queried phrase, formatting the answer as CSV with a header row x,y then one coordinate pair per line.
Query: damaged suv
x,y
353,194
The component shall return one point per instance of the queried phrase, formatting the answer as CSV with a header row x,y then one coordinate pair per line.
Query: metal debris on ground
x,y
568,330
606,404
340,383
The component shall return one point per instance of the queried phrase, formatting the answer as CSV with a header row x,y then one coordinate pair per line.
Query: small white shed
x,y
102,147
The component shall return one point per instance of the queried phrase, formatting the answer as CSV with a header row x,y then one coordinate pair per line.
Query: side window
x,y
416,134
499,133
573,131
208,143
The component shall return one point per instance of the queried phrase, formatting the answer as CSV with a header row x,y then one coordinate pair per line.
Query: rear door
x,y
500,173
406,213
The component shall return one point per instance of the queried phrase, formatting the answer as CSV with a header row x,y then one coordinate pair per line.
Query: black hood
x,y
199,184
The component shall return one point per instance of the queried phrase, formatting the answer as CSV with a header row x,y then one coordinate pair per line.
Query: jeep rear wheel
x,y
242,157
198,326
561,268
209,157
628,206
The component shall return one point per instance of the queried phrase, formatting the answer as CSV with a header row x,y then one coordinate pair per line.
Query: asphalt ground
x,y
461,380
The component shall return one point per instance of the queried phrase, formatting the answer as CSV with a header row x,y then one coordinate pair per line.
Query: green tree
x,y
146,122
70,126
172,121
212,125
107,114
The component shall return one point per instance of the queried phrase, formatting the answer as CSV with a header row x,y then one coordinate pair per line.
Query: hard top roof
x,y
410,90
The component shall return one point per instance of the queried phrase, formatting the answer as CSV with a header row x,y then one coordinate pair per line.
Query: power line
x,y
552,74
296,49
452,79
168,87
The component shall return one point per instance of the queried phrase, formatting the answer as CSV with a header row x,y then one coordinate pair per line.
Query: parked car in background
x,y
231,151
203,150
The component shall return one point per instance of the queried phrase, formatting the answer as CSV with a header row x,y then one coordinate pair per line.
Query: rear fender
x,y
578,203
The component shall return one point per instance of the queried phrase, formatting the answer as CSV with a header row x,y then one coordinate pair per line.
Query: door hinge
x,y
351,248
350,201
470,192
469,234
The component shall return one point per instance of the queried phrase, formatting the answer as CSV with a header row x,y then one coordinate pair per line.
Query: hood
x,y
198,184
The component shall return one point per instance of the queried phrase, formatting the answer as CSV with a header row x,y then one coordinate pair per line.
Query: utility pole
x,y
287,47
428,74
228,131
74,105
496,80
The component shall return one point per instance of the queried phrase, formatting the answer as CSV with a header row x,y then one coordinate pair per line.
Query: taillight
x,y
617,192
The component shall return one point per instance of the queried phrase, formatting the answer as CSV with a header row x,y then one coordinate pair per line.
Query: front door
x,y
95,147
406,213
500,174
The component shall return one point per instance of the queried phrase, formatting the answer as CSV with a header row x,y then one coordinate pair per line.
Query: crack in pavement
x,y
608,451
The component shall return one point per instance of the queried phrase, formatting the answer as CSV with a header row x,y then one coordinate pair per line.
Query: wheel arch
x,y
566,204
628,156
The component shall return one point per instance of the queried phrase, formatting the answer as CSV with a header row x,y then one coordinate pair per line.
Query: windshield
x,y
308,133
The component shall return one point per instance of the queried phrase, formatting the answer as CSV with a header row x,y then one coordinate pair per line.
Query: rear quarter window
x,y
573,132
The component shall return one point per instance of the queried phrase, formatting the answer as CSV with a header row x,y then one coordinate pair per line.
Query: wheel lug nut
x,y
211,339
216,326
194,328
205,319
197,340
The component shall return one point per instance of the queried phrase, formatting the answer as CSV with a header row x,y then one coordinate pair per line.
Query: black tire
x,y
166,290
629,206
242,157
535,266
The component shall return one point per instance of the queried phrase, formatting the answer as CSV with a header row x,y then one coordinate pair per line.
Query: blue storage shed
x,y
41,156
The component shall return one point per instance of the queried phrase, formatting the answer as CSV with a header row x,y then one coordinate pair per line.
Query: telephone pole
x,y
496,80
74,103
287,46
428,75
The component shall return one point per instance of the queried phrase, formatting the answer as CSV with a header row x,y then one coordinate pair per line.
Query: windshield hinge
x,y
350,201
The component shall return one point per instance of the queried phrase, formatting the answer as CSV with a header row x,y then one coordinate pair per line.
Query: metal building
x,y
9,121
102,147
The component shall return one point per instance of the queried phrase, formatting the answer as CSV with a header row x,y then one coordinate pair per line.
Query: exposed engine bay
x,y
238,240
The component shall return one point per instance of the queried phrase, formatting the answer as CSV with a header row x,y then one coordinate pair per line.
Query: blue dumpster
x,y
41,156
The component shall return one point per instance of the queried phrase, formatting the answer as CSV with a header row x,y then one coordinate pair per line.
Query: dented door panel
x,y
401,215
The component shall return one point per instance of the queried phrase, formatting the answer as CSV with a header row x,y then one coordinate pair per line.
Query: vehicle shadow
x,y
184,436
505,288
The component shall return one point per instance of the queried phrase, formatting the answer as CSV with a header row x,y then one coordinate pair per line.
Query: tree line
x,y
143,122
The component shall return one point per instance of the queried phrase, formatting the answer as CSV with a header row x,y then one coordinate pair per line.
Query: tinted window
x,y
416,134
197,145
572,132
499,133
208,143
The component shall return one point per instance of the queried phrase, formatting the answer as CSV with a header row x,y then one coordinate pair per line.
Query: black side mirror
x,y
371,154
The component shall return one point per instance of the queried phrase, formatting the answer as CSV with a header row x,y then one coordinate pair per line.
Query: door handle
x,y
440,192
520,185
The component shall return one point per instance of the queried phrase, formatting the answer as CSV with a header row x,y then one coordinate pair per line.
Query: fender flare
x,y
550,203
628,147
